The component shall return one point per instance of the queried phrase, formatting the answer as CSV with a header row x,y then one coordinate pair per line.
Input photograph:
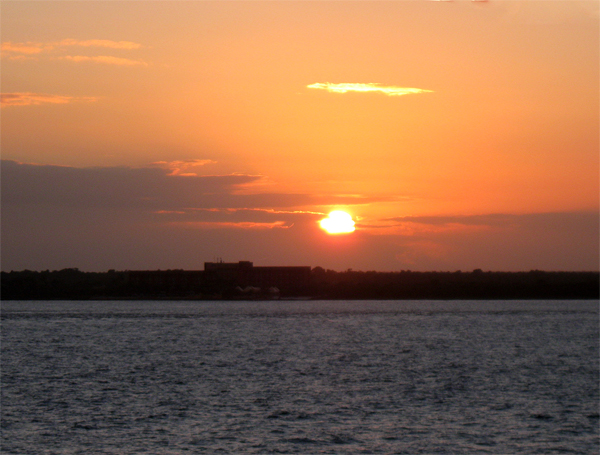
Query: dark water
x,y
300,377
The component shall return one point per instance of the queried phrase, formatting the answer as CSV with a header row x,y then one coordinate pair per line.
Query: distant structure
x,y
289,280
220,277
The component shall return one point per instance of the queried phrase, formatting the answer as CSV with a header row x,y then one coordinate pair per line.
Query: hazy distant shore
x,y
72,284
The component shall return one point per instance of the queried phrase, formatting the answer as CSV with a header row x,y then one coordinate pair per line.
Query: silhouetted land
x,y
72,284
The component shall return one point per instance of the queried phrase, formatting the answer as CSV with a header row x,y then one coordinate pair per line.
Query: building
x,y
289,280
219,278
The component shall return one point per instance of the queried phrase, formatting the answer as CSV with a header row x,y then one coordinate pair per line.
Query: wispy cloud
x,y
105,59
238,215
28,99
409,228
472,224
413,225
246,218
150,188
364,88
33,50
9,48
182,168
30,47
232,225
100,43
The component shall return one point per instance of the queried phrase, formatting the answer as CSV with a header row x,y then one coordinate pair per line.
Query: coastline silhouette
x,y
239,281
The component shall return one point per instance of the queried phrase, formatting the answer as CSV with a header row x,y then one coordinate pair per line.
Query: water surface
x,y
410,377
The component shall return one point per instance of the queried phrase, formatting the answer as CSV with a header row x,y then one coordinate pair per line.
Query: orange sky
x,y
201,113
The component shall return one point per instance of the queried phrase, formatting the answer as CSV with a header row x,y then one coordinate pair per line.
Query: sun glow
x,y
337,222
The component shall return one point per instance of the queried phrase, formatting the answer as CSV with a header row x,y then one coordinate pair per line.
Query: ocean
x,y
309,377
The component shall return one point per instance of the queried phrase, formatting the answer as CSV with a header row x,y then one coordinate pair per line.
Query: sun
x,y
337,222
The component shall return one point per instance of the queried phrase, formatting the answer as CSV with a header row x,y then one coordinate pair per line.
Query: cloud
x,y
105,59
124,217
97,218
113,187
442,220
9,48
546,241
465,224
100,43
502,220
364,88
30,48
28,99
182,168
414,225
148,189
240,216
230,225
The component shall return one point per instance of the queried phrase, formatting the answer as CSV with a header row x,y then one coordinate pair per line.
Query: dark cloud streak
x,y
531,220
121,217
149,188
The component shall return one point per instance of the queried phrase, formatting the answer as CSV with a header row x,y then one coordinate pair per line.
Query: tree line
x,y
73,284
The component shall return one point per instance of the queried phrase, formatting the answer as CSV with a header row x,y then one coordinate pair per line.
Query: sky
x,y
165,134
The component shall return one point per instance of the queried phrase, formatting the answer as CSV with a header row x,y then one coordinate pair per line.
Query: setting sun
x,y
337,222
